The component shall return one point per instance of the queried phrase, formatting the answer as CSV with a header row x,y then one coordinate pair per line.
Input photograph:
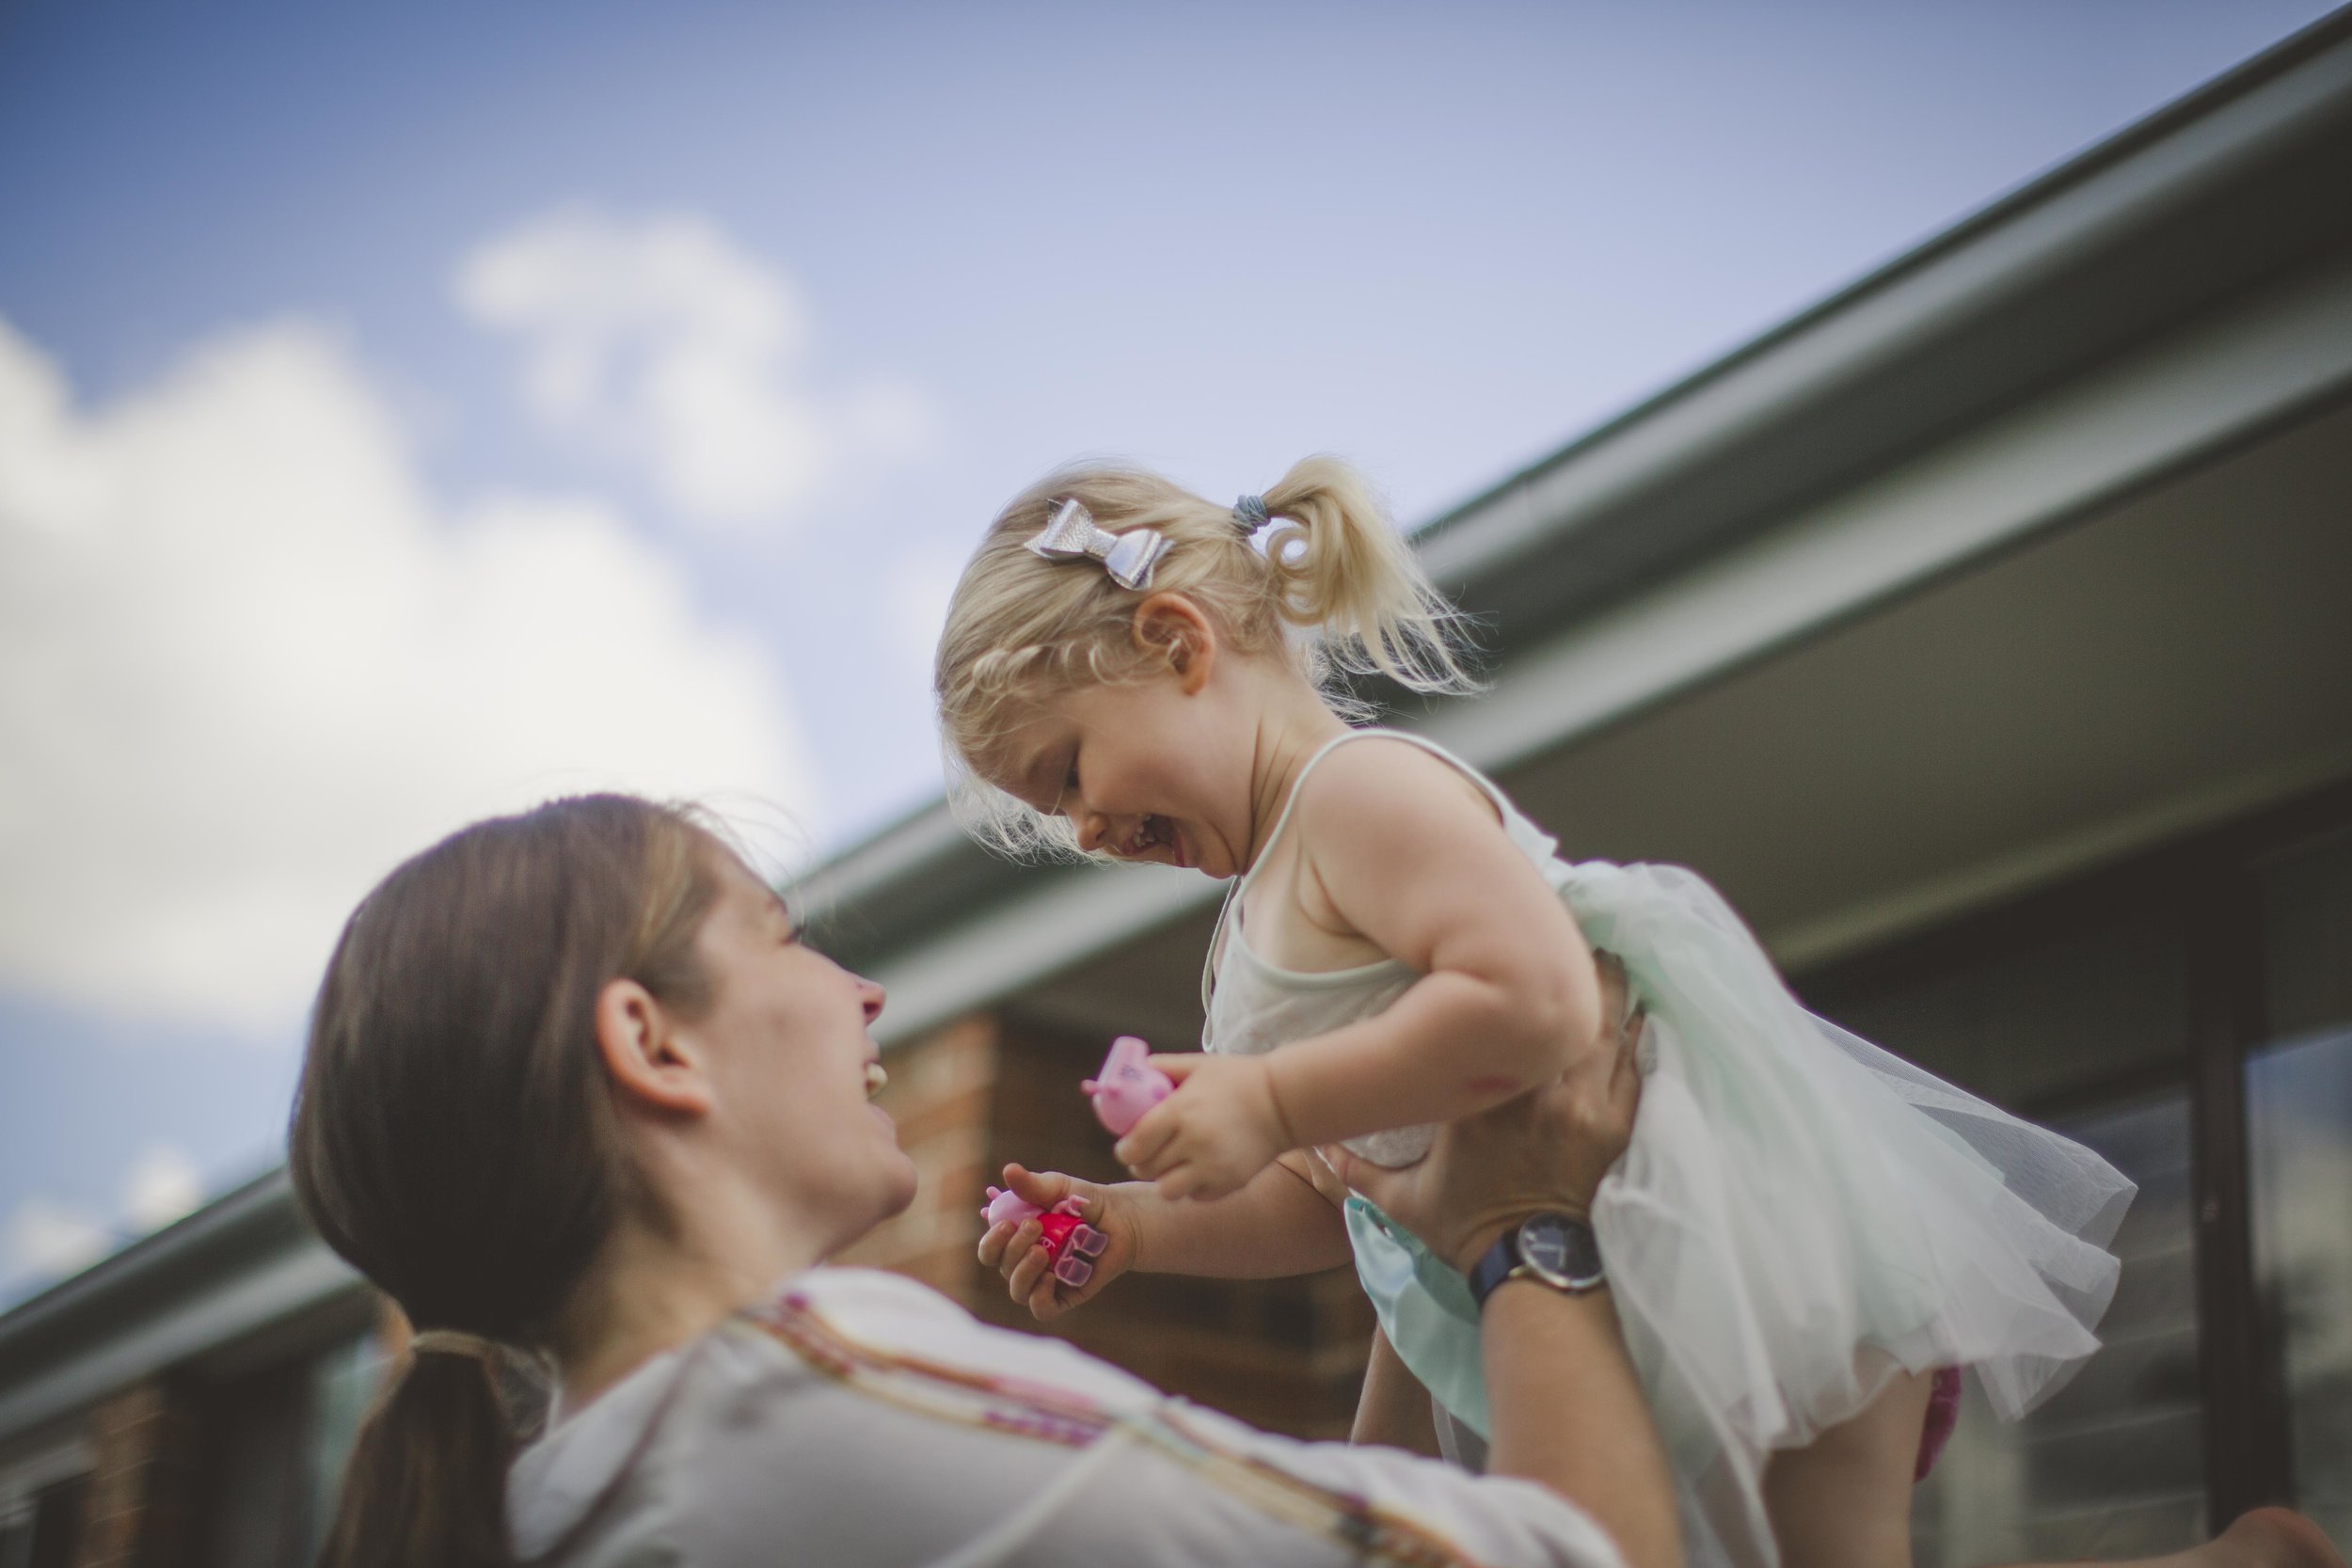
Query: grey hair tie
x,y
1249,514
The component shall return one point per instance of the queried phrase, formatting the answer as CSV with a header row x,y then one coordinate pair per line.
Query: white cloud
x,y
662,341
247,663
163,1185
49,1241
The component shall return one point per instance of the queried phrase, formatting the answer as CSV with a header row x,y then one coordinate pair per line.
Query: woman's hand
x,y
1220,1128
1546,1151
1014,1252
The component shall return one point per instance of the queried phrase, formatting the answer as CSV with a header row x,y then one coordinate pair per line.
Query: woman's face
x,y
794,1067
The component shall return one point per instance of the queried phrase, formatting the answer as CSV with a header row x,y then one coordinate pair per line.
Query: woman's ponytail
x,y
454,1137
427,1479
1345,570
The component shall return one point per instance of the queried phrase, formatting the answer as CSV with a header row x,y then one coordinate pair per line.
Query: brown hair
x,y
1335,588
454,1138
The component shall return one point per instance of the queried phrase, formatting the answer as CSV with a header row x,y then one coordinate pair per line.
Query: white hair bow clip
x,y
1129,556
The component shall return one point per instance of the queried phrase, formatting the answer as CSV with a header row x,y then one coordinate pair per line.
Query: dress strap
x,y
1227,911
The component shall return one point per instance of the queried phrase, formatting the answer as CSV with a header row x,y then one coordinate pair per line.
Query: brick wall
x,y
941,1093
138,1512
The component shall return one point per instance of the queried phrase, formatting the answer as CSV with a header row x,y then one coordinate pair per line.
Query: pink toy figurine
x,y
1129,1085
1069,1240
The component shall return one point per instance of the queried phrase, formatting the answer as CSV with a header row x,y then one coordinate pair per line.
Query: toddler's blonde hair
x,y
1334,589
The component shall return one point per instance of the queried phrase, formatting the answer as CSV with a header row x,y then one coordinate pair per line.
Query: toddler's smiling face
x,y
1143,769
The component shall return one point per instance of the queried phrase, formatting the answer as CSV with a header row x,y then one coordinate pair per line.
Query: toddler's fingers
x,y
994,1242
1022,1279
1019,1246
1149,1140
1042,1188
1179,1065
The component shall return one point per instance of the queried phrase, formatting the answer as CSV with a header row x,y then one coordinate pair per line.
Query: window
x,y
2075,1012
2299,1093
277,1442
42,1504
2113,1463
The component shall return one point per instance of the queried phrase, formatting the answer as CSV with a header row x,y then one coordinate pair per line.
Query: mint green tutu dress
x,y
1799,1214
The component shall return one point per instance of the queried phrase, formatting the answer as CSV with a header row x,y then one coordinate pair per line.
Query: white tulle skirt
x,y
1800,1216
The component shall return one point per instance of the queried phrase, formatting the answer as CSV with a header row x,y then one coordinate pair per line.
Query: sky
x,y
408,413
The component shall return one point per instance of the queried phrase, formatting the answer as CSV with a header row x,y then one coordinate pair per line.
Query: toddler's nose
x,y
1092,826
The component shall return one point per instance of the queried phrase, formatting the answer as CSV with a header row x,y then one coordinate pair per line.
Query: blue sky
x,y
407,411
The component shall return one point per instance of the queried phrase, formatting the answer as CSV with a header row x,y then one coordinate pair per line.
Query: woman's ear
x,y
1173,627
652,1068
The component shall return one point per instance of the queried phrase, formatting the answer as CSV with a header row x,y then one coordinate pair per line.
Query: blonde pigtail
x,y
1347,573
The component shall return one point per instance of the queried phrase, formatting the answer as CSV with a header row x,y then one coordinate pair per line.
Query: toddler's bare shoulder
x,y
1380,784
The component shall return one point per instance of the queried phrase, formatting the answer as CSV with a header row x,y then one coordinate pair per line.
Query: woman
x,y
574,1086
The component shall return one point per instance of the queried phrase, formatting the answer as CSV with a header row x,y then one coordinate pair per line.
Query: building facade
x,y
1985,633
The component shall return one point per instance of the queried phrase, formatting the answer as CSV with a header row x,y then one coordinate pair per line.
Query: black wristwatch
x,y
1558,1250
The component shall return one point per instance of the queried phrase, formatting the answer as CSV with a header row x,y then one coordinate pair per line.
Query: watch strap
x,y
1506,1259
1495,1265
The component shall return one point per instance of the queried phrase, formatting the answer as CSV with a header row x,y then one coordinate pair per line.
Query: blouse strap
x,y
1299,786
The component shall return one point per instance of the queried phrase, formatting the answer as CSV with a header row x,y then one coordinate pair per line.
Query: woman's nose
x,y
872,996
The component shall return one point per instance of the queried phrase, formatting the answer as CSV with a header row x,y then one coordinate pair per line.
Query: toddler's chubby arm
x,y
1285,1221
1398,848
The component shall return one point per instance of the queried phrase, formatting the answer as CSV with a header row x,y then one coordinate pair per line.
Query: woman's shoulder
x,y
839,1370
875,1328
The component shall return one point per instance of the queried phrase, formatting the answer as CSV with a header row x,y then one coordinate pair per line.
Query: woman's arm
x,y
1569,1412
1564,1406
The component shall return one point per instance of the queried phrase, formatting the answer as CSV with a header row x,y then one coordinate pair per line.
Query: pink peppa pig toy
x,y
1128,1087
1069,1240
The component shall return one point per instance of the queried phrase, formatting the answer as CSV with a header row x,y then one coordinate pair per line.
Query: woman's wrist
x,y
1479,1237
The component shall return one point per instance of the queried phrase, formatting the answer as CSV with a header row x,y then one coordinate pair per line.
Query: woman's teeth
x,y
875,1079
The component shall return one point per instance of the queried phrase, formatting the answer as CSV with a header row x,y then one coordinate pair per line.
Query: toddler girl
x,y
1806,1234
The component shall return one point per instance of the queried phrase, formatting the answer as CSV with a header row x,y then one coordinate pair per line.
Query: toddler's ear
x,y
1172,627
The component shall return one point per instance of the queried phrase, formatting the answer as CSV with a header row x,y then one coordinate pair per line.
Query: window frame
x,y
2214,875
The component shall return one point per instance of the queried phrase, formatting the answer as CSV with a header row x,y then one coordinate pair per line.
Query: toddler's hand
x,y
1220,1128
1014,1252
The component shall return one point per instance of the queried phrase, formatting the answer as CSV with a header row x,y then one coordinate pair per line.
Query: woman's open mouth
x,y
875,1079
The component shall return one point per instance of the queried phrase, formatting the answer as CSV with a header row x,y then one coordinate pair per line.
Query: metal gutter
x,y
238,1265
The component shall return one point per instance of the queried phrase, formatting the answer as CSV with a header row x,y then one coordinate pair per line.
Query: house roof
x,y
2236,184
2239,182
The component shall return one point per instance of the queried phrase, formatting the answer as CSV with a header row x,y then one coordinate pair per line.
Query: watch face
x,y
1559,1251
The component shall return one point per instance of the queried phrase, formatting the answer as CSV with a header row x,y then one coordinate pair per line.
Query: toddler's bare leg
x,y
1394,1409
1844,1500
